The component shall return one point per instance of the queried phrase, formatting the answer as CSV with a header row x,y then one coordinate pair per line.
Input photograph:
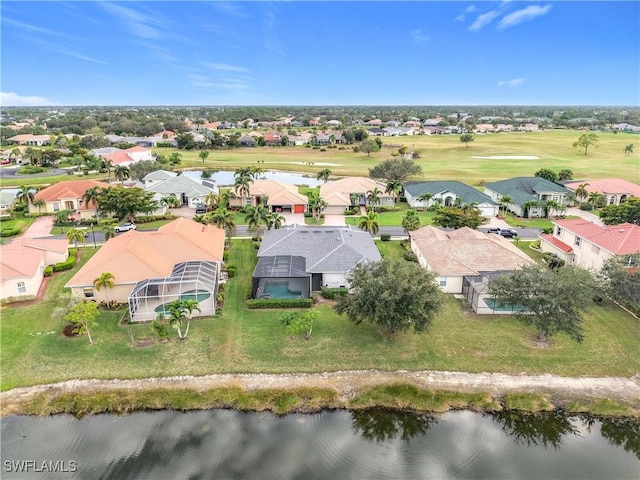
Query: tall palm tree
x,y
256,216
373,197
109,231
505,201
25,195
106,280
33,155
189,305
107,164
628,150
581,192
527,206
223,218
369,223
275,221
426,197
594,199
74,235
212,200
122,173
15,153
39,203
242,182
225,196
92,196
324,175
394,187
177,313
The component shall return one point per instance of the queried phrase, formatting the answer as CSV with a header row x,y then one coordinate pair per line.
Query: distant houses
x,y
352,191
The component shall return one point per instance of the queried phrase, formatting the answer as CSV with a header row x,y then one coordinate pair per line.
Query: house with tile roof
x,y
121,157
181,259
188,191
446,192
589,245
67,195
615,190
523,189
338,193
7,200
30,139
297,260
464,252
276,196
22,263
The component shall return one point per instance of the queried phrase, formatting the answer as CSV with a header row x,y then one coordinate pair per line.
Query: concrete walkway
x,y
334,220
586,215
40,228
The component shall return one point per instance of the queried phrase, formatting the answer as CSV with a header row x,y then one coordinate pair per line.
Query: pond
x,y
331,444
223,177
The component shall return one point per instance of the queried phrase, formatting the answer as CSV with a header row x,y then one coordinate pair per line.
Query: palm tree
x,y
628,150
212,200
505,201
92,196
74,235
177,313
61,216
225,196
369,223
39,203
551,206
189,305
203,219
275,221
109,231
242,181
410,221
25,195
581,192
373,197
223,218
107,164
15,153
527,206
426,197
255,216
122,173
105,280
594,199
324,175
355,198
33,155
394,187
170,201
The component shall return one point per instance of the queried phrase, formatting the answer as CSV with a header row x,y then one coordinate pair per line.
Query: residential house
x,y
377,132
182,259
297,260
484,128
121,157
67,195
398,131
276,196
246,141
376,122
465,260
411,124
523,189
22,264
432,122
433,130
188,191
273,138
615,190
7,200
334,123
31,140
589,245
338,193
446,193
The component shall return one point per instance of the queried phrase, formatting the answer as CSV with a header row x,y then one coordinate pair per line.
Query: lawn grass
x,y
394,219
19,221
254,341
526,248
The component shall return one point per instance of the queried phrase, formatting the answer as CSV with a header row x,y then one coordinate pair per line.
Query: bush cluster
x,y
110,305
9,232
231,271
18,299
48,270
385,237
333,293
587,207
255,303
68,263
410,257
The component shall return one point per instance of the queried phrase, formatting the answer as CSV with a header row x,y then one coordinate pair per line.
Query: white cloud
x,y
483,20
523,15
12,99
462,17
229,8
511,83
419,36
225,67
140,24
34,29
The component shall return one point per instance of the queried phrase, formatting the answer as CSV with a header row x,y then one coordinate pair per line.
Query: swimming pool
x,y
189,295
498,307
278,289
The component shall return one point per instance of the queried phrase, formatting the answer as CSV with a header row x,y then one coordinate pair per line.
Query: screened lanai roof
x,y
201,272
283,266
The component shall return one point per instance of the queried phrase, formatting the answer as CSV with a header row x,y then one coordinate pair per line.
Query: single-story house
x,y
465,252
187,190
338,193
589,245
30,139
523,189
246,141
22,263
181,259
615,190
297,260
446,192
123,157
7,199
277,196
67,195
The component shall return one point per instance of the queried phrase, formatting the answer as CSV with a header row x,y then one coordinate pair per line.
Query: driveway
x,y
40,228
293,218
585,215
495,222
334,219
187,212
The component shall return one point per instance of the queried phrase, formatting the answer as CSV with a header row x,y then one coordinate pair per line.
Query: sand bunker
x,y
318,163
510,157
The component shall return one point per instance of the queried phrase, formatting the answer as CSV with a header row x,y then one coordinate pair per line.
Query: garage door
x,y
298,209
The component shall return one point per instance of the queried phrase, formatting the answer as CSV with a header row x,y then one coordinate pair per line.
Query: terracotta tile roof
x,y
138,148
22,257
278,193
135,256
618,239
68,189
337,192
608,185
467,252
118,158
560,245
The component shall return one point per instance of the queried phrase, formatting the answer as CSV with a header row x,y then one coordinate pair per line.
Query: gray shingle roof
x,y
180,184
467,193
325,249
521,189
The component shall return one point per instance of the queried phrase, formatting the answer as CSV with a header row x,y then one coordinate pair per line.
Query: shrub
x,y
256,238
70,330
19,207
386,209
255,303
586,207
410,257
385,237
18,299
333,293
316,147
225,256
68,263
323,149
231,271
308,214
30,169
110,305
160,328
9,232
48,270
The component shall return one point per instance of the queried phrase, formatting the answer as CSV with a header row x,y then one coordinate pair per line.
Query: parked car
x,y
201,208
505,232
125,227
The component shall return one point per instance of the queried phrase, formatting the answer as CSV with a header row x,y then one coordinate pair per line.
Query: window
x,y
558,231
22,288
556,198
443,281
88,292
612,200
577,241
56,207
248,201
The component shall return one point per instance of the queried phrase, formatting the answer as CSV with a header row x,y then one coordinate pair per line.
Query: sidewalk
x,y
40,228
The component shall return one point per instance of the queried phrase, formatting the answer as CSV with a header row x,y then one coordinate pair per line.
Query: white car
x,y
125,227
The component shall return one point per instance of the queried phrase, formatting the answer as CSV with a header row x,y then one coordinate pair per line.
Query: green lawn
x,y
20,221
394,219
254,341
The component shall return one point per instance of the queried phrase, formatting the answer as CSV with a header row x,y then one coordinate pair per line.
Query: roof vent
x,y
621,230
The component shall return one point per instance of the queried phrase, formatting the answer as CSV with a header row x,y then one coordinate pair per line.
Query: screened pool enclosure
x,y
476,291
194,280
281,276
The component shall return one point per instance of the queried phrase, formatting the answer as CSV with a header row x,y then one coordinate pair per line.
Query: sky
x,y
320,53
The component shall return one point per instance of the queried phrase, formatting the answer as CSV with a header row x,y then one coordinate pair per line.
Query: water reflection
x,y
382,424
546,429
622,432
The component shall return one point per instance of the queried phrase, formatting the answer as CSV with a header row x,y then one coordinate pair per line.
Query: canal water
x,y
372,444
225,178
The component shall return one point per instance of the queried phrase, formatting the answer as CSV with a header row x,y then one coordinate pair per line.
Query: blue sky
x,y
320,53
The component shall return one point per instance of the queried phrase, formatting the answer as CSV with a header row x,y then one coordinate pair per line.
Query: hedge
x,y
68,263
385,237
18,299
48,270
9,232
333,293
279,303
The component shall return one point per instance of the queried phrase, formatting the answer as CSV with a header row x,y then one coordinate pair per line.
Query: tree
x,y
628,211
109,232
212,200
393,187
83,316
395,169
127,202
92,197
317,205
585,141
201,219
458,217
324,175
242,181
620,279
394,295
33,155
39,204
369,223
275,220
106,280
300,322
61,216
75,236
551,206
106,164
547,174
204,154
594,199
628,150
25,195
565,174
410,221
505,201
527,206
373,197
425,197
177,314
551,300
223,218
121,173
369,146
403,151
581,192
255,217
141,169
466,138
170,201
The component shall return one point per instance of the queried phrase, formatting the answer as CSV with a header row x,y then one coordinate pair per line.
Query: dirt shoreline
x,y
348,383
